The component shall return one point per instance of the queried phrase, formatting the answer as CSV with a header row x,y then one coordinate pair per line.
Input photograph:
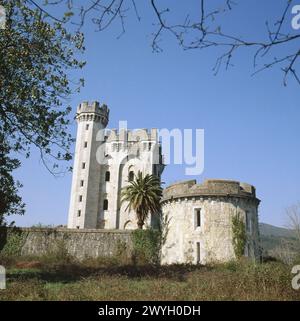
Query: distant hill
x,y
271,230
272,236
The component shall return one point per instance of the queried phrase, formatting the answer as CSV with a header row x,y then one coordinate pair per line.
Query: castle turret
x,y
200,228
84,203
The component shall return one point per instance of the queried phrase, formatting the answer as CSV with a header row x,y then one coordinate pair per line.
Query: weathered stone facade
x,y
200,216
82,243
200,221
105,161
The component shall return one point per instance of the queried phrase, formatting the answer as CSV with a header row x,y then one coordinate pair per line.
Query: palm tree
x,y
143,195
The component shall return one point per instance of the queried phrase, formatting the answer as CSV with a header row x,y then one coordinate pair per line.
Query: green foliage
x,y
146,246
10,202
13,241
239,237
143,195
37,56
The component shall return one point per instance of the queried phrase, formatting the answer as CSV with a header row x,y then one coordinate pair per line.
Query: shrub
x,y
146,246
13,241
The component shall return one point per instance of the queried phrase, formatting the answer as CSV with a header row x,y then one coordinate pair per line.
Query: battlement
x,y
210,187
138,135
93,111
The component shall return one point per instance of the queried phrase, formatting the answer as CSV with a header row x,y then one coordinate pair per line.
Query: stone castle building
x,y
198,216
105,161
200,220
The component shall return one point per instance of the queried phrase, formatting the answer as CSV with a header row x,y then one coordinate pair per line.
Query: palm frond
x,y
143,195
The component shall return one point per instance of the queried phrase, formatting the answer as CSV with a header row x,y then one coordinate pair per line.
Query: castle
x,y
199,216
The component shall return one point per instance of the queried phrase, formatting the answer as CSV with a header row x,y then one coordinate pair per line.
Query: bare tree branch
x,y
201,33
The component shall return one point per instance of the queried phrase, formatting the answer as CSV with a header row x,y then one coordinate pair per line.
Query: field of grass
x,y
102,279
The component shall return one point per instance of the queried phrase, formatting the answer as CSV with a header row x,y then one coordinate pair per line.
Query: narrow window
x,y
83,165
105,205
107,176
197,217
79,213
131,176
80,198
81,183
198,252
87,126
85,144
149,146
77,227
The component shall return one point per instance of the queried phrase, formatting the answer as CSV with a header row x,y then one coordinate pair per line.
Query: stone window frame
x,y
196,209
105,205
107,176
198,252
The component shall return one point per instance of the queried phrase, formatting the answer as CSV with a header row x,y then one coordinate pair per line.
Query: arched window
x,y
107,176
105,205
131,176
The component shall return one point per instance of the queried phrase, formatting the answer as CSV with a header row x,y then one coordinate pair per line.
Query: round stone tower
x,y
199,221
84,202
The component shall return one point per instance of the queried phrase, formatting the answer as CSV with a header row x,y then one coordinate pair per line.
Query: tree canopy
x,y
37,54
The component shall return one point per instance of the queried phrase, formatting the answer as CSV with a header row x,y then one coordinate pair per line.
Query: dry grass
x,y
106,279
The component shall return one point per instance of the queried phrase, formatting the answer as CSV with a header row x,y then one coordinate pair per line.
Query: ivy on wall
x,y
12,241
239,237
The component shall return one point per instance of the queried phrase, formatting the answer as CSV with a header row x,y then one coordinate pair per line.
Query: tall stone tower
x,y
86,170
105,162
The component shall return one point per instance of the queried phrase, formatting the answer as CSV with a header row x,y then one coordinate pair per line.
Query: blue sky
x,y
251,123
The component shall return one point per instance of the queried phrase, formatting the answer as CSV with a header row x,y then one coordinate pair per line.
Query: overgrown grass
x,y
32,278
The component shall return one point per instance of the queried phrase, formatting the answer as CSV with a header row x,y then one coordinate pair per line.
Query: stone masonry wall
x,y
79,243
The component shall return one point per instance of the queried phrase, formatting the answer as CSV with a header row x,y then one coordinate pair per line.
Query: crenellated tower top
x,y
93,112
